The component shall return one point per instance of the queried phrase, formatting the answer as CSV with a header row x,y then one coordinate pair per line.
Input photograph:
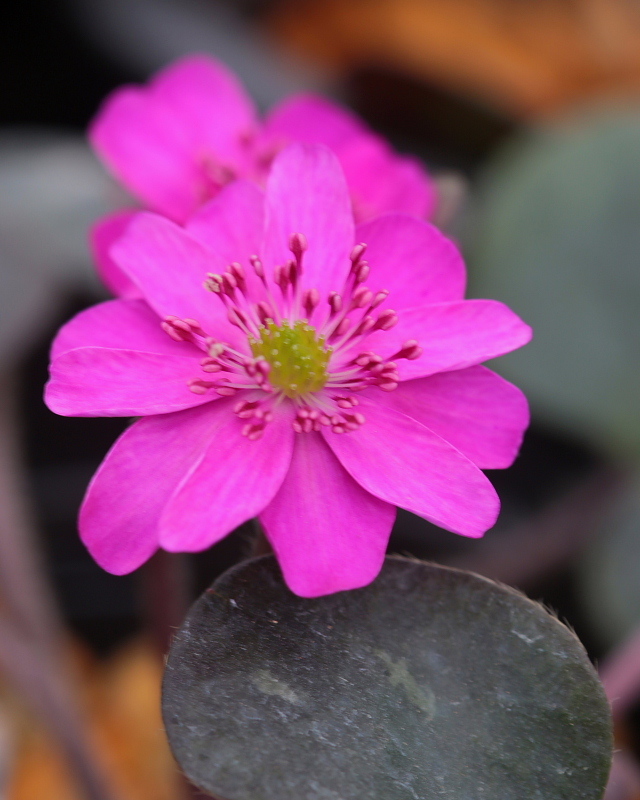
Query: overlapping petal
x,y
478,412
312,119
232,227
114,360
379,179
101,236
413,260
398,460
307,193
169,266
452,335
233,481
328,533
163,141
122,507
102,382
143,143
119,324
213,106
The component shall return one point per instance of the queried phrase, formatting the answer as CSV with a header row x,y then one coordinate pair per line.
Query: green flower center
x,y
297,357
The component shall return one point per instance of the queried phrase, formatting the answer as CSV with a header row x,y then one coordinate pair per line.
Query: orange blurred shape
x,y
121,700
523,58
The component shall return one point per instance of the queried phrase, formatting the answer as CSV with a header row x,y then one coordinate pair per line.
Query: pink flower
x,y
285,387
176,142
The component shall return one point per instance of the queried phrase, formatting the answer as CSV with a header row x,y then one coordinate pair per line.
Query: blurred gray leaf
x,y
51,190
556,235
429,683
609,570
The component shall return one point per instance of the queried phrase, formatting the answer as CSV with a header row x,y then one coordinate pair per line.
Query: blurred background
x,y
528,114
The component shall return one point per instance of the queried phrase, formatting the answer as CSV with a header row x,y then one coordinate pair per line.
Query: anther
x,y
362,272
335,302
298,245
310,300
179,329
367,324
199,386
215,349
264,312
246,408
257,266
379,298
213,283
386,320
357,253
229,283
342,328
409,350
281,276
237,318
237,270
361,297
210,365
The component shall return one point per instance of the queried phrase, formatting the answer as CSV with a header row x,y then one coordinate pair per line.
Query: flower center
x,y
298,359
316,369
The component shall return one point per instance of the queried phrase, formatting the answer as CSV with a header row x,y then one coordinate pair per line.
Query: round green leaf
x,y
556,236
429,683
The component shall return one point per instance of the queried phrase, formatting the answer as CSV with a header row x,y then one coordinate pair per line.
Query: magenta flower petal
x,y
307,194
114,359
144,144
233,481
403,463
379,179
169,267
232,227
101,236
340,531
432,268
475,410
312,119
175,142
101,382
120,513
118,324
211,102
382,181
452,336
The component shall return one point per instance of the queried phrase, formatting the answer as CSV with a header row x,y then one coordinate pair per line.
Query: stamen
x,y
310,300
290,360
213,283
335,302
257,266
361,297
357,253
386,320
409,350
362,272
298,245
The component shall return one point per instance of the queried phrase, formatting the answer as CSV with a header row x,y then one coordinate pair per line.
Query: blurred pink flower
x,y
289,389
176,142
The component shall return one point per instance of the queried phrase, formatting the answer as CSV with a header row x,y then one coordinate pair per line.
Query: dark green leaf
x,y
429,683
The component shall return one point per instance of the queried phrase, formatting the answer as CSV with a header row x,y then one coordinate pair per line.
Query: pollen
x,y
297,356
